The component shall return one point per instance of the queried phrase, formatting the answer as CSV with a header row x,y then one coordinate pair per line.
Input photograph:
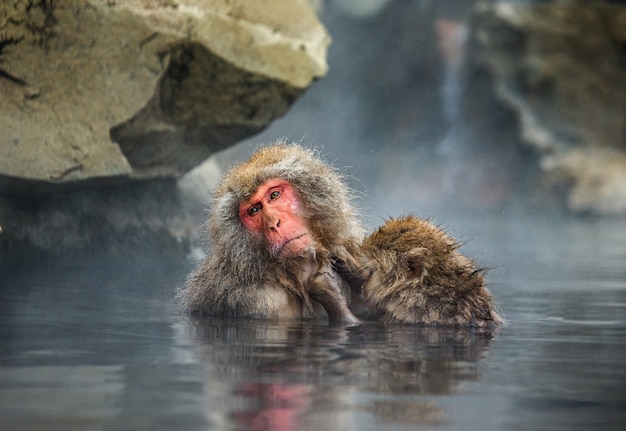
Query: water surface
x,y
99,345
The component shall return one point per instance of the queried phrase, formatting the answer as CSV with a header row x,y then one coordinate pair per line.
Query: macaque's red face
x,y
274,214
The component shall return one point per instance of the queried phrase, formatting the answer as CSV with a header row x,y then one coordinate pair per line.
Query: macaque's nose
x,y
272,221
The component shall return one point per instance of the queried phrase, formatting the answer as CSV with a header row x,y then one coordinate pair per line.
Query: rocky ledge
x,y
98,95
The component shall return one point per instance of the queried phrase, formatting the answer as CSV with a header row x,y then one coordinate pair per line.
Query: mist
x,y
397,115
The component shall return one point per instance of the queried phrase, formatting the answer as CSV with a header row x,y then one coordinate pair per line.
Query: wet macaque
x,y
277,225
416,275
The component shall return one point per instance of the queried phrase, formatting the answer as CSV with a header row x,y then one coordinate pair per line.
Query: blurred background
x,y
433,107
408,112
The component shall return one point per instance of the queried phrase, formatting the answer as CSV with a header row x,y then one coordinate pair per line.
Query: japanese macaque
x,y
414,274
277,225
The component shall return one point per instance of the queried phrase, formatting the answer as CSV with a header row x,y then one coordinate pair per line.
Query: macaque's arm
x,y
325,288
354,271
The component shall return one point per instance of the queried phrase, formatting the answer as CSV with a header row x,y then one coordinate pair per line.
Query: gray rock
x,y
145,89
561,68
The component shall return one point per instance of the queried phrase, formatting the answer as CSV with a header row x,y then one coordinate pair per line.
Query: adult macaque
x,y
414,274
276,226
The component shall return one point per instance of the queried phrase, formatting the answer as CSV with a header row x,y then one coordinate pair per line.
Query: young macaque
x,y
414,274
276,226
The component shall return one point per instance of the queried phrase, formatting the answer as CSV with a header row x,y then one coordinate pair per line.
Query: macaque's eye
x,y
253,210
274,195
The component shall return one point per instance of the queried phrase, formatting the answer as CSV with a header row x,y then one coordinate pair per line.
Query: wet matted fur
x,y
418,276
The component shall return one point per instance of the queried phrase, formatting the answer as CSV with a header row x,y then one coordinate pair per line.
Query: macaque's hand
x,y
325,288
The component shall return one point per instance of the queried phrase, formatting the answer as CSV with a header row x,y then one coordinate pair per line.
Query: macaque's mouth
x,y
293,239
290,248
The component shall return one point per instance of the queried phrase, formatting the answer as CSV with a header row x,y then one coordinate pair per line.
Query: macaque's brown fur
x,y
417,276
241,277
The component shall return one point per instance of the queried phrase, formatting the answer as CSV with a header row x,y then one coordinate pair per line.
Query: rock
x,y
106,103
144,89
561,68
597,178
142,218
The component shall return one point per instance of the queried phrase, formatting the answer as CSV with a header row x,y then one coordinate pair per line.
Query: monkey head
x,y
288,203
418,276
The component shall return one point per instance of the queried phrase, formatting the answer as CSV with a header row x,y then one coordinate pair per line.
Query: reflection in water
x,y
279,371
274,406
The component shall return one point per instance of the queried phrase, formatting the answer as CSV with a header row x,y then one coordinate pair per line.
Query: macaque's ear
x,y
415,262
